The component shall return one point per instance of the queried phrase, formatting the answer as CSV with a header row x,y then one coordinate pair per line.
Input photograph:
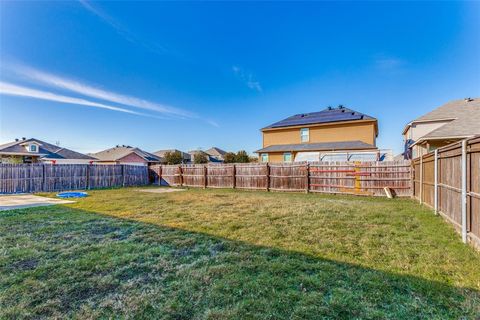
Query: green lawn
x,y
225,254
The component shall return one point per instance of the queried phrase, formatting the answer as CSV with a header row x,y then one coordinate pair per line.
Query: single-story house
x,y
38,151
215,154
453,121
126,155
185,156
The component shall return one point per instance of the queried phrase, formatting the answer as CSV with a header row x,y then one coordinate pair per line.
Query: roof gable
x,y
325,116
464,118
45,150
214,151
119,152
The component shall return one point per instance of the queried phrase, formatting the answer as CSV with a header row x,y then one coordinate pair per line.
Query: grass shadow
x,y
63,262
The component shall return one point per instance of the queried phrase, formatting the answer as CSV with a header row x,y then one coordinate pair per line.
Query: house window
x,y
287,157
304,134
264,157
33,148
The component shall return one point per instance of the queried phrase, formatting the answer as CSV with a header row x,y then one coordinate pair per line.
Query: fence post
x,y
307,178
234,177
268,176
205,176
180,172
160,175
123,175
87,184
44,183
435,190
464,191
421,179
357,177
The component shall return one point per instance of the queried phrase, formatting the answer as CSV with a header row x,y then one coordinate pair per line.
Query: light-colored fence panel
x,y
135,176
461,207
194,175
373,177
171,175
38,177
105,176
361,178
221,176
331,177
288,177
64,177
21,178
252,176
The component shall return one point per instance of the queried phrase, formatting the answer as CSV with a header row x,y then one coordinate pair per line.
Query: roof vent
x,y
330,108
353,113
468,99
16,139
23,138
340,106
117,146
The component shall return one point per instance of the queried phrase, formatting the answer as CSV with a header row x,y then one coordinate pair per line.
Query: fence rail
x,y
26,178
364,178
448,180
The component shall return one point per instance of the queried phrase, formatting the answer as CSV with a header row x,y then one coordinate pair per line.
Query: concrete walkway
x,y
19,201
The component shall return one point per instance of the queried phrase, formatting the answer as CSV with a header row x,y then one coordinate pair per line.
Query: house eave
x,y
320,124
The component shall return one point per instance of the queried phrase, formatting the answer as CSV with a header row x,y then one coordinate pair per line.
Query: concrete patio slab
x,y
19,201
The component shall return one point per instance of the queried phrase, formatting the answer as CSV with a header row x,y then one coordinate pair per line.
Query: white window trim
x,y
287,153
307,135
30,148
266,156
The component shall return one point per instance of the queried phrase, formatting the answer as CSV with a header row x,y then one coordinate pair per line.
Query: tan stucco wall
x,y
418,130
277,156
363,131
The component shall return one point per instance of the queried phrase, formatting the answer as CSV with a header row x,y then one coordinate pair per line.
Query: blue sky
x,y
186,75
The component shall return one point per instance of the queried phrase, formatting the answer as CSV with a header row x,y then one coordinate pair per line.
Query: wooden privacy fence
x,y
364,178
25,178
448,180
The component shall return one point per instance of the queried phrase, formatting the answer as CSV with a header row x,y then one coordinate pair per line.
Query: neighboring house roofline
x,y
408,125
46,150
320,146
118,153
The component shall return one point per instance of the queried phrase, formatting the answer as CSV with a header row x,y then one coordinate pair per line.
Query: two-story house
x,y
451,122
333,134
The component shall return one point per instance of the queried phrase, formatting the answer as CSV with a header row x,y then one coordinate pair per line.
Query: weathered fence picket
x,y
25,178
448,180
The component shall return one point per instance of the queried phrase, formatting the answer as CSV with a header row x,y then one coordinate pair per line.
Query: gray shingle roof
x,y
325,116
45,150
216,152
323,146
465,117
116,153
161,153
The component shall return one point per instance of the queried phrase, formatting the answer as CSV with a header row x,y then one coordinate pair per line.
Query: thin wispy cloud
x,y
56,81
247,78
122,30
15,90
213,123
388,63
